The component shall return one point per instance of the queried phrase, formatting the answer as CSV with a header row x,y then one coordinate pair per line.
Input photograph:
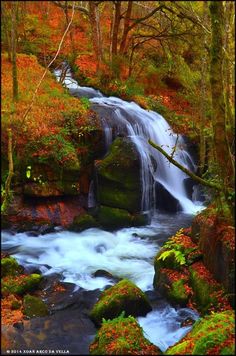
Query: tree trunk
x,y
228,67
73,57
13,41
221,148
95,29
123,44
7,194
5,18
116,25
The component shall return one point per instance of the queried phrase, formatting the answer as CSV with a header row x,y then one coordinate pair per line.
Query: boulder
x,y
123,296
83,222
114,217
216,239
122,336
118,176
165,201
173,285
20,285
10,267
34,306
212,335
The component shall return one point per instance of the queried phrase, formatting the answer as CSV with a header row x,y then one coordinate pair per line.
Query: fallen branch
x,y
185,170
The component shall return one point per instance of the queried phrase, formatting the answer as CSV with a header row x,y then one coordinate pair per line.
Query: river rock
x,y
34,306
118,177
211,335
123,296
10,285
10,267
114,218
82,222
122,336
165,201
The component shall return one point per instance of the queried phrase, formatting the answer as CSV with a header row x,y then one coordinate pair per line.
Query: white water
x,y
141,125
126,253
163,327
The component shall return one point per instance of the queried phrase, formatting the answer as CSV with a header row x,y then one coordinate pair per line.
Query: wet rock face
x,y
124,296
41,215
217,243
165,201
118,177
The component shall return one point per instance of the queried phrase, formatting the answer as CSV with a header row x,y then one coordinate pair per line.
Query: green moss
x,y
177,293
33,306
123,296
83,222
214,333
113,217
9,267
113,195
119,176
121,165
20,285
122,336
15,305
204,295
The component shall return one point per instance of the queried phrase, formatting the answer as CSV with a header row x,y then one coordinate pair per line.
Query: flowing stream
x,y
76,258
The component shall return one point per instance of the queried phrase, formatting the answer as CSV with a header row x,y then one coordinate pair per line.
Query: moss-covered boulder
x,y
118,176
21,284
216,240
182,278
178,253
173,285
211,335
83,222
10,267
113,217
207,292
123,296
34,306
122,336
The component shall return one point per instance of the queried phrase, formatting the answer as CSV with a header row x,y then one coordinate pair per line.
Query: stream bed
x,y
74,259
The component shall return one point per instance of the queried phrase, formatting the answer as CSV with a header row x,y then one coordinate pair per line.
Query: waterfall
x,y
129,119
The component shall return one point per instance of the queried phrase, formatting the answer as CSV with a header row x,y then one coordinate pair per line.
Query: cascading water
x,y
140,125
76,258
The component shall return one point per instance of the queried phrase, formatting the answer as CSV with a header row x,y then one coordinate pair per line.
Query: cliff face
x,y
216,240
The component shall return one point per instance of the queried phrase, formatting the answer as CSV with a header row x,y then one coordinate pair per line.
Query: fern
x,y
179,256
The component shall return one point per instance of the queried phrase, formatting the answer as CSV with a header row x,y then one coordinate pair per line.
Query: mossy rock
x,y
211,335
113,217
114,195
20,285
50,189
34,306
83,222
123,296
10,267
121,164
204,290
122,336
173,285
118,176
